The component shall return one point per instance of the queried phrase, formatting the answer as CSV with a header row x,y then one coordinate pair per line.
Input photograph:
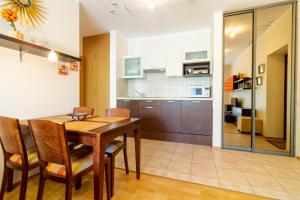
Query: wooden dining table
x,y
97,132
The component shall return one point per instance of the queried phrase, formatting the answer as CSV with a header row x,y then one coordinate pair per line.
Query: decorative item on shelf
x,y
261,68
11,17
74,66
259,80
63,70
30,11
39,42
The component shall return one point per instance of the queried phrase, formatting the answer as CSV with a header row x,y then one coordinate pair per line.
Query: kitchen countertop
x,y
165,98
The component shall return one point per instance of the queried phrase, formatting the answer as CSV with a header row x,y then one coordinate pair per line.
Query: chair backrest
x,y
87,110
117,112
11,137
50,142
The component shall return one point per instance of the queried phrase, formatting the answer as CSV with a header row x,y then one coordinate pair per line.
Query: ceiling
x,y
242,26
134,19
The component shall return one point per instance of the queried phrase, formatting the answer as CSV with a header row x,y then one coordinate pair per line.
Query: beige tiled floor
x,y
266,175
233,137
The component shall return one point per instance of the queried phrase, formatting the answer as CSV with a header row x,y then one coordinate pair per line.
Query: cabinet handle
x,y
171,101
127,100
196,101
149,107
149,101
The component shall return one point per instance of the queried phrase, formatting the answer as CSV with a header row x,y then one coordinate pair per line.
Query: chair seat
x,y
81,159
114,146
31,156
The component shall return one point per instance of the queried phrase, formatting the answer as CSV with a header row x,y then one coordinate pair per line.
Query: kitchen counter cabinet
x,y
132,105
150,115
171,116
197,117
184,121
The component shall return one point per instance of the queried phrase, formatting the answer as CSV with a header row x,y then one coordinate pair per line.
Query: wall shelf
x,y
26,47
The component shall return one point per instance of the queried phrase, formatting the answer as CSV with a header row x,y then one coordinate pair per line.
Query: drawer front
x,y
197,117
150,103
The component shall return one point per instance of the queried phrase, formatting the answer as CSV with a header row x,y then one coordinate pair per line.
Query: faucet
x,y
140,93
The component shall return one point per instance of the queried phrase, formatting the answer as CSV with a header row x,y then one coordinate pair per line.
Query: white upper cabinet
x,y
196,56
154,61
174,66
133,67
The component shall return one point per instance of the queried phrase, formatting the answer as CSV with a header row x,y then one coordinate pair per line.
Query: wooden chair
x,y
59,164
16,156
87,110
116,146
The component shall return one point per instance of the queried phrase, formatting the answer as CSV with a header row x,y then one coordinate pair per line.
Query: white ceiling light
x,y
52,56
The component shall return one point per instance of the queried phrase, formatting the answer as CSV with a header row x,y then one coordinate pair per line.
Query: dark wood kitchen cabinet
x,y
171,116
197,117
132,105
150,115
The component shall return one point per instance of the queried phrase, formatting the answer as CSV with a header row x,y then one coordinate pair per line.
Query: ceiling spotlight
x,y
151,6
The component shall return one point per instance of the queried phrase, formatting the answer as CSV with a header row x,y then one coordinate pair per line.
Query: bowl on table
x,y
79,116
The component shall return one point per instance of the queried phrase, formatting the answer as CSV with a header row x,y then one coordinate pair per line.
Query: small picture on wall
x,y
63,70
74,67
261,69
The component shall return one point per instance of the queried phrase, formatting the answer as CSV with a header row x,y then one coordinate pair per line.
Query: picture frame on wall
x,y
261,68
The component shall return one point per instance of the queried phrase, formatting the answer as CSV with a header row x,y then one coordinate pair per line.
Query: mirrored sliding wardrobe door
x,y
237,99
273,78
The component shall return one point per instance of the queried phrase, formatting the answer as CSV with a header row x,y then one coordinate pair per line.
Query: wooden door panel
x,y
171,116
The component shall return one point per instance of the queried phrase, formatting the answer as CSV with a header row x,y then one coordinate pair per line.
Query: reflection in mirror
x,y
238,34
272,96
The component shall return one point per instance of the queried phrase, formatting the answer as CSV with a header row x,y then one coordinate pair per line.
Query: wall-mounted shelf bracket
x,y
22,53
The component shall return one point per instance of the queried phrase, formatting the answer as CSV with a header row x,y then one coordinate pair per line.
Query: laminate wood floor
x,y
128,188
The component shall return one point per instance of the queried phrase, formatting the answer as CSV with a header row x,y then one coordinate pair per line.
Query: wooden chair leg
x,y
41,187
23,185
78,183
10,180
112,175
125,154
69,187
107,179
126,160
4,182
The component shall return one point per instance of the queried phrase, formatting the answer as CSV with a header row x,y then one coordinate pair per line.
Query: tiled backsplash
x,y
158,85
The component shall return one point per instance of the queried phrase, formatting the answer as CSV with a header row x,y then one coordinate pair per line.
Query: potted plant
x,y
11,17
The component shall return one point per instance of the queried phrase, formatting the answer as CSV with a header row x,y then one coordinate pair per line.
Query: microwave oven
x,y
198,91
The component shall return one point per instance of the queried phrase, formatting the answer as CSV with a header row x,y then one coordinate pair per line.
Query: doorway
x,y
259,79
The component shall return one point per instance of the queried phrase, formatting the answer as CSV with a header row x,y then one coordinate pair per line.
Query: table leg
x,y
98,152
137,139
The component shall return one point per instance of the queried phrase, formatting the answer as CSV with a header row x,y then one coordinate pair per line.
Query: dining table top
x,y
91,124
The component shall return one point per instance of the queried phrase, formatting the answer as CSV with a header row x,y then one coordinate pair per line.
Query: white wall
x,y
118,49
185,41
217,33
33,88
